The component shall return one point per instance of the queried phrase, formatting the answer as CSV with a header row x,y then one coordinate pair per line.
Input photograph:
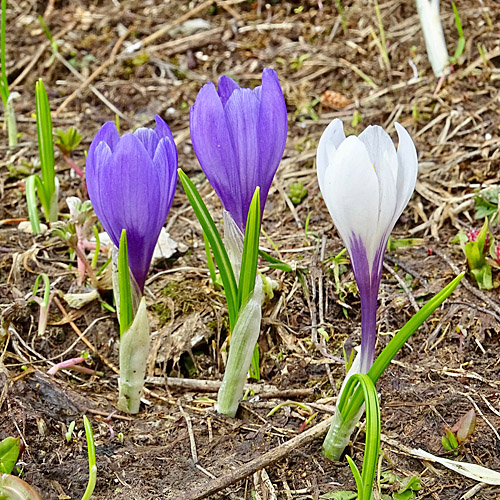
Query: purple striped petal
x,y
131,183
225,88
213,146
239,137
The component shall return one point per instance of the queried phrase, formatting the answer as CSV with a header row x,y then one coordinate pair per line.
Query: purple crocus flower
x,y
366,184
131,182
239,136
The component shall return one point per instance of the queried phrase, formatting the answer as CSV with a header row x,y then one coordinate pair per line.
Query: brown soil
x,y
450,366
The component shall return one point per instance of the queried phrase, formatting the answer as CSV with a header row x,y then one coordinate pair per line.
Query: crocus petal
x,y
366,184
385,162
407,169
107,134
272,130
135,199
149,139
242,113
351,193
225,88
162,129
131,182
329,142
165,163
239,137
213,146
101,158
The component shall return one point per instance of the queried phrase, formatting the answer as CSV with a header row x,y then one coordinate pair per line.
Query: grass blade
x,y
92,461
45,150
364,481
397,342
31,201
274,263
220,254
125,290
250,250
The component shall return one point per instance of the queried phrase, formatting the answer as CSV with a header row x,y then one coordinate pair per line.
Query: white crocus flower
x,y
366,184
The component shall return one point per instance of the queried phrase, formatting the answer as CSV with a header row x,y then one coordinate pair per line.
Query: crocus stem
x,y
341,429
430,19
134,350
10,120
339,434
243,340
74,166
368,326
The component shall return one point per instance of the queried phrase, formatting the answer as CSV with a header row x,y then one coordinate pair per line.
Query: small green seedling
x,y
297,192
46,186
460,432
92,460
405,488
43,303
356,118
486,205
461,39
296,63
5,94
68,141
9,453
393,244
69,432
477,250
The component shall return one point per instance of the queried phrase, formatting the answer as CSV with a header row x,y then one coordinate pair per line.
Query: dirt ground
x,y
177,444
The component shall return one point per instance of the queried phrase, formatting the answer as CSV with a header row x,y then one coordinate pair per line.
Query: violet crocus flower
x,y
366,185
131,182
239,136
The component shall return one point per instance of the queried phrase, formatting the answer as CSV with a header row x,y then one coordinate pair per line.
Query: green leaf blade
x,y
250,250
215,240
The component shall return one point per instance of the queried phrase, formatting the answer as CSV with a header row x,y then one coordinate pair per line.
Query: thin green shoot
x,y
69,433
343,20
107,306
365,480
210,263
350,409
92,460
117,123
124,286
220,254
31,185
306,228
482,52
269,240
383,42
461,39
289,403
254,370
250,251
43,303
274,263
47,186
6,95
48,34
93,264
103,267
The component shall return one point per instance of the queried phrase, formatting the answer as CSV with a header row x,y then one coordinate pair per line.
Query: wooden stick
x,y
259,463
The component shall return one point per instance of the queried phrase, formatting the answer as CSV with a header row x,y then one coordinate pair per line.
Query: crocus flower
x,y
366,185
131,182
239,137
